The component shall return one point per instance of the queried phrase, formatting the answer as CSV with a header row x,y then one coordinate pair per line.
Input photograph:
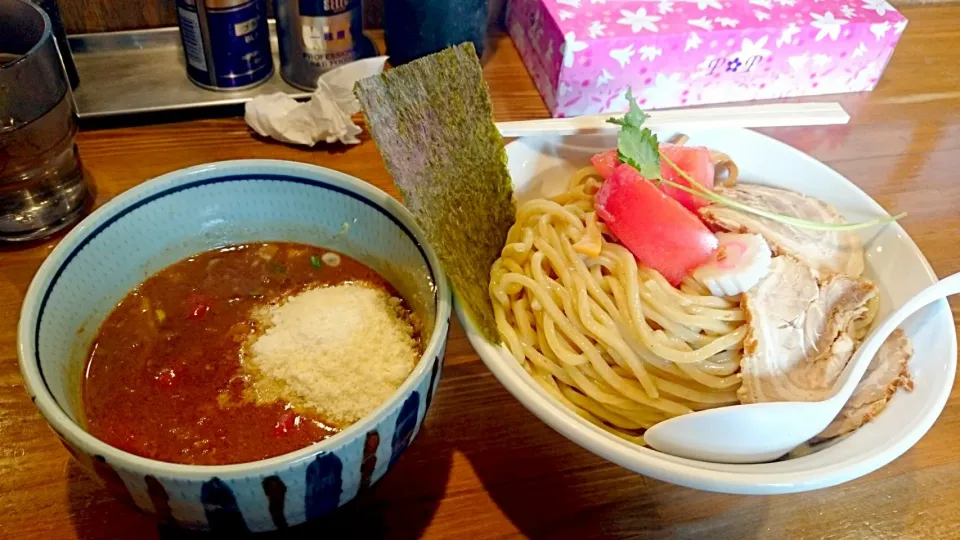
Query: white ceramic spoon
x,y
761,432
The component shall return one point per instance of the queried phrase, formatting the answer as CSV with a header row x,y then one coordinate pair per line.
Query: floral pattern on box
x,y
584,54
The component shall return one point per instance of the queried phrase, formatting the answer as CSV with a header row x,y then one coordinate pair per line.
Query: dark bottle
x,y
60,36
416,28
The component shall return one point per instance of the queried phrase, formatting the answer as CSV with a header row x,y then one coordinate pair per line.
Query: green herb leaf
x,y
634,117
315,261
637,145
640,148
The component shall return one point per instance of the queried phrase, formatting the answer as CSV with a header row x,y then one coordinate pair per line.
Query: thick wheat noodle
x,y
578,338
689,335
608,338
604,414
696,297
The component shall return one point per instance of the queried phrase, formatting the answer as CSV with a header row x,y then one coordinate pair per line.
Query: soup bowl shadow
x,y
186,212
401,505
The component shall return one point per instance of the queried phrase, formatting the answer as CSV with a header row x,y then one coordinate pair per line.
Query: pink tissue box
x,y
584,54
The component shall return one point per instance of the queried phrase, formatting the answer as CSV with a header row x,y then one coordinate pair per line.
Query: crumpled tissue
x,y
326,117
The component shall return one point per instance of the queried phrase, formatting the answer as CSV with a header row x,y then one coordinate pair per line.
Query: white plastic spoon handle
x,y
875,339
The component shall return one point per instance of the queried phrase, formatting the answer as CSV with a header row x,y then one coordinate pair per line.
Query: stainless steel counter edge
x,y
142,71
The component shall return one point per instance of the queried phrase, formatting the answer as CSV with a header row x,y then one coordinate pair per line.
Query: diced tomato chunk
x,y
198,312
286,423
605,163
660,232
199,305
165,378
693,160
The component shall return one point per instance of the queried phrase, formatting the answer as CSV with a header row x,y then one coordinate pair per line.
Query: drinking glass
x,y
42,188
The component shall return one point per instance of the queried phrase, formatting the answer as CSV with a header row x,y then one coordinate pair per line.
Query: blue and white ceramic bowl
x,y
176,215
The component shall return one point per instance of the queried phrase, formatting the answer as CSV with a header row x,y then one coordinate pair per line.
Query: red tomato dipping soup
x,y
247,352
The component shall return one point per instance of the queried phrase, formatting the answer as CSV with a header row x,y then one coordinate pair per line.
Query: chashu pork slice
x,y
825,251
799,335
887,373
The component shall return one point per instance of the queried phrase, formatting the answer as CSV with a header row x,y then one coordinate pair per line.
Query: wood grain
x,y
483,466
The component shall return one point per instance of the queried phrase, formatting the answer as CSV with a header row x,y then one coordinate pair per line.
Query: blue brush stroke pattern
x,y
406,424
160,499
433,379
111,479
276,492
368,464
220,506
324,485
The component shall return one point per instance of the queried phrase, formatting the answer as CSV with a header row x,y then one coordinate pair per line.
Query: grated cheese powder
x,y
340,350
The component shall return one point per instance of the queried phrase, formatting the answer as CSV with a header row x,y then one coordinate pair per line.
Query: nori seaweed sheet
x,y
433,122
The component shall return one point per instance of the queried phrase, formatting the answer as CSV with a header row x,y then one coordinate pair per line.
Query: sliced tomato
x,y
605,163
660,232
693,160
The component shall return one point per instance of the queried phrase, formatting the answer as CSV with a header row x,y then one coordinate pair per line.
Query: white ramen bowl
x,y
542,166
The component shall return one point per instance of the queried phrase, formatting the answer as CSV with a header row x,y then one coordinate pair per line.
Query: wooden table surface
x,y
483,466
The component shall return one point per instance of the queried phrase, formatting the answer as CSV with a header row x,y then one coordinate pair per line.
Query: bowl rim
x,y
692,473
315,176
